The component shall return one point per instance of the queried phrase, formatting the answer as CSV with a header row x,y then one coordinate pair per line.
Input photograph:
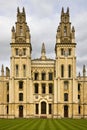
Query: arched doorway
x,y
65,111
20,111
43,107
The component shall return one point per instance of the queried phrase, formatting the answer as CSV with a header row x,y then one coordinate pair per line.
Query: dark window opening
x,y
7,109
16,51
20,84
43,76
36,88
16,70
24,70
69,52
37,108
36,75
65,96
50,108
69,71
50,88
79,85
7,86
62,70
43,88
79,109
62,51
7,97
24,51
20,96
50,76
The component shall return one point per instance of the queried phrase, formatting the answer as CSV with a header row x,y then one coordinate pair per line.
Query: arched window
x,y
65,96
69,71
62,70
43,107
20,96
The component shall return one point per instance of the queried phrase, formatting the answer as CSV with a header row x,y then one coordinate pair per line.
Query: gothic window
x,y
62,70
20,96
62,51
36,76
79,86
24,51
65,85
36,88
50,76
65,30
7,97
69,71
50,88
43,88
37,109
43,76
16,51
50,108
65,96
17,71
20,85
24,70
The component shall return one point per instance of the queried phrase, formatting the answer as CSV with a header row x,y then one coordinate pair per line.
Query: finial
x,y
18,10
62,10
67,10
43,48
84,70
13,29
79,74
2,70
43,52
73,29
23,10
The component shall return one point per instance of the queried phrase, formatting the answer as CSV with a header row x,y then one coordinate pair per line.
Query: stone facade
x,y
43,87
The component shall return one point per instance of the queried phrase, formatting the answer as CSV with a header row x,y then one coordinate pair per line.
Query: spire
x,y
43,52
13,29
18,11
67,10
62,12
84,71
23,10
2,71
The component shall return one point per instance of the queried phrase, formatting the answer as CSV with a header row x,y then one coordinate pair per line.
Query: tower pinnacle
x,y
43,52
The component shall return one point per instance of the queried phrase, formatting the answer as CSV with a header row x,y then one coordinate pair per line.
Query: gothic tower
x,y
20,80
65,91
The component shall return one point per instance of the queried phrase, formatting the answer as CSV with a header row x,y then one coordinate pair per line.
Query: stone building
x,y
43,87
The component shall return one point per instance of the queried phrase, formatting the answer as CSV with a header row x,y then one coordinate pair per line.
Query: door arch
x,y
20,111
65,111
43,107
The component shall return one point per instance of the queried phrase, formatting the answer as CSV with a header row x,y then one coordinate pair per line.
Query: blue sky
x,y
43,17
